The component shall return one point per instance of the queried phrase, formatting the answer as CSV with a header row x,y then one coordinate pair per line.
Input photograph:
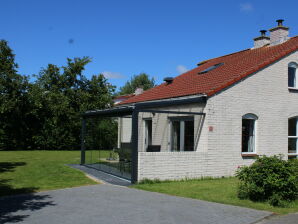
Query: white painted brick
x,y
264,94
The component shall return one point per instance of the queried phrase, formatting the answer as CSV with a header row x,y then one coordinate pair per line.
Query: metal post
x,y
83,147
134,145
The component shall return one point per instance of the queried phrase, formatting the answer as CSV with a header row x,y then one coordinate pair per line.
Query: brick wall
x,y
264,94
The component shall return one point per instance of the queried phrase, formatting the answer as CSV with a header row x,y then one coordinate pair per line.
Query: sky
x,y
124,38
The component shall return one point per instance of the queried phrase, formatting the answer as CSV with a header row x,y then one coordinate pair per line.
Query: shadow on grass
x,y
13,207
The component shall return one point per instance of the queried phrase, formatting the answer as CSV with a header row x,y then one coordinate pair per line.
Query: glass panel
x,y
292,127
291,76
148,133
108,145
175,135
292,145
248,135
189,136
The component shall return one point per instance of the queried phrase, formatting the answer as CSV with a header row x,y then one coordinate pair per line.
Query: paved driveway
x,y
109,204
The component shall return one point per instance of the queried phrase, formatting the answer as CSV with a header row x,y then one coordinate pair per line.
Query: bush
x,y
269,179
149,181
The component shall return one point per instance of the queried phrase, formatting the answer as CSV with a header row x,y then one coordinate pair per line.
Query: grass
x,y
32,171
221,190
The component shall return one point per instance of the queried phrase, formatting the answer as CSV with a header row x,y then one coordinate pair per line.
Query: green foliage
x,y
102,133
61,95
150,181
269,179
137,81
220,190
13,101
46,114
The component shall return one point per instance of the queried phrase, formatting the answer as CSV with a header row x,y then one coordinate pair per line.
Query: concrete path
x,y
109,204
101,176
285,219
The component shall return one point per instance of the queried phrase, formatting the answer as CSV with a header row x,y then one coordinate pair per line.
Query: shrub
x,y
269,179
150,181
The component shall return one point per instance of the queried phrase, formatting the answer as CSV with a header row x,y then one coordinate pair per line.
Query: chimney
x,y
279,34
261,40
168,80
139,91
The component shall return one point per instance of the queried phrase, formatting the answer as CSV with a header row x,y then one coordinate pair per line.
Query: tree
x,y
46,114
13,101
60,96
137,81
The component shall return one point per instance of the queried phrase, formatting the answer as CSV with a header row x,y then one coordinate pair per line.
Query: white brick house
x,y
237,106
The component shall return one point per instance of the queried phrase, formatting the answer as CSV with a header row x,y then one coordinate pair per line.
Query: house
x,y
121,98
216,117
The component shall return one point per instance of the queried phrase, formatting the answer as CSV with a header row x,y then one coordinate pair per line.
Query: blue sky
x,y
123,38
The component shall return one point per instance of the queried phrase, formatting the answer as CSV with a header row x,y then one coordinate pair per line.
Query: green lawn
x,y
216,190
32,171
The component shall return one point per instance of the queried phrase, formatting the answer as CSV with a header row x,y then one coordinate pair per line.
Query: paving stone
x,y
110,204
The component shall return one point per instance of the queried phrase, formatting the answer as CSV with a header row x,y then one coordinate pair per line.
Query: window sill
x,y
293,89
243,154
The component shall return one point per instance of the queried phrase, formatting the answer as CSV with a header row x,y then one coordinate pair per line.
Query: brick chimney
x,y
261,40
139,91
279,34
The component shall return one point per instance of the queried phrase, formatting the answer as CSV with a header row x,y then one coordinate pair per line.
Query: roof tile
x,y
236,67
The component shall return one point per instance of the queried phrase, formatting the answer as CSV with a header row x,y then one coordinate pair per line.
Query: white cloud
x,y
246,7
181,69
112,75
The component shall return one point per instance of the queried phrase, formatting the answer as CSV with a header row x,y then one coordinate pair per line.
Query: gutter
x,y
127,110
109,112
171,102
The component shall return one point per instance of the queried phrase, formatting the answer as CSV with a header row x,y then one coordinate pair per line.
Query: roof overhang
x,y
116,111
128,110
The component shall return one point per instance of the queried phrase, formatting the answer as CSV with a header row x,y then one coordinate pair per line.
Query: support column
x,y
83,147
134,145
182,131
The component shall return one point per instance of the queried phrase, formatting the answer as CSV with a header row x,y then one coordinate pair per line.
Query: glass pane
x,y
149,131
248,138
175,135
108,145
291,76
292,127
292,146
189,136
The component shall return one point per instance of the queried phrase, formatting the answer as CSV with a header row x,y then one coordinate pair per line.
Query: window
x,y
211,68
293,136
249,133
182,134
292,76
148,133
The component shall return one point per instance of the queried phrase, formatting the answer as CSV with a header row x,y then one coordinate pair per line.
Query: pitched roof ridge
x,y
237,66
124,96
205,61
256,68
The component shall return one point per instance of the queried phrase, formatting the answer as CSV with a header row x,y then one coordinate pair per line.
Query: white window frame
x,y
294,137
182,132
294,65
254,117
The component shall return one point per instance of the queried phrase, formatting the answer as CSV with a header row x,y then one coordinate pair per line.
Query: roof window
x,y
211,68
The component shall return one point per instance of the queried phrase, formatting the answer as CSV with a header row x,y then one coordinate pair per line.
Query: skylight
x,y
211,68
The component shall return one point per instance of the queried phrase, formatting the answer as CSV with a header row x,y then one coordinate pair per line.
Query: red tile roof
x,y
123,97
236,67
